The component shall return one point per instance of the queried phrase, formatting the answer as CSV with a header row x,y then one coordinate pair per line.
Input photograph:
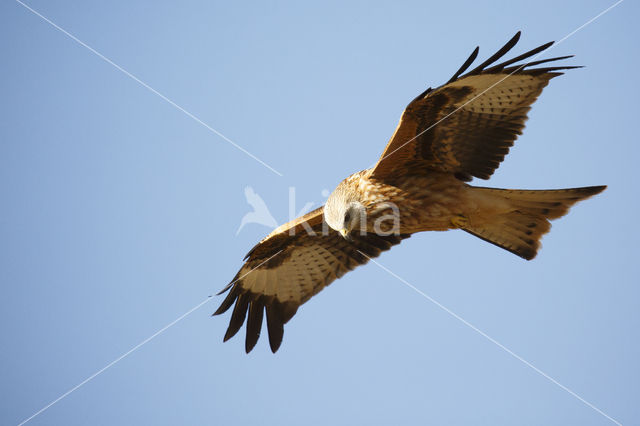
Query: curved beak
x,y
345,234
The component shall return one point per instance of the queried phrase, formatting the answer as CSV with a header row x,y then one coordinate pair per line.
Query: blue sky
x,y
119,215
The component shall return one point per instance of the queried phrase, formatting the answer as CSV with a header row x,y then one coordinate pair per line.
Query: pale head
x,y
343,211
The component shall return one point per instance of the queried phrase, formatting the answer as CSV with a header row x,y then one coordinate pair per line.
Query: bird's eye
x,y
347,217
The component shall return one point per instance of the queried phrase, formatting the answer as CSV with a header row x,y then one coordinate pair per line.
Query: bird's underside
x,y
445,138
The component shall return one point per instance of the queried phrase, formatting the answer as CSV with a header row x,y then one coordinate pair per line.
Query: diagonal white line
x,y
588,22
112,363
491,339
151,89
136,347
497,82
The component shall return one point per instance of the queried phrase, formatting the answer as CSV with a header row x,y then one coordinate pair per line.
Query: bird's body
x,y
445,138
513,219
429,202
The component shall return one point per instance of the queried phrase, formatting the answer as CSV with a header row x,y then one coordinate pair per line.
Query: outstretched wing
x,y
467,126
287,268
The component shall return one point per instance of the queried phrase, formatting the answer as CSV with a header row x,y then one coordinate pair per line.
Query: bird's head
x,y
343,211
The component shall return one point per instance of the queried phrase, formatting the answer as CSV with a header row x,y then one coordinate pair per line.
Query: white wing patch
x,y
498,93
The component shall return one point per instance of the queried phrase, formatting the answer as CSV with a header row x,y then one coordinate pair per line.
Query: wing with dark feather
x,y
467,126
287,268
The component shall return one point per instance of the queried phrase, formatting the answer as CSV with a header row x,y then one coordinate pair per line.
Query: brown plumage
x,y
446,137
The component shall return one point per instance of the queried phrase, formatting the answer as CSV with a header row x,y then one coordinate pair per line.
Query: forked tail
x,y
520,229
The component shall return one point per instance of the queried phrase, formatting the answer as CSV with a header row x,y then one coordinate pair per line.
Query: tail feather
x,y
519,229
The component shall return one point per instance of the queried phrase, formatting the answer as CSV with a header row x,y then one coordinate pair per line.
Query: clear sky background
x,y
119,214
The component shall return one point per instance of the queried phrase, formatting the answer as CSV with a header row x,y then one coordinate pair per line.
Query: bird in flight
x,y
446,137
